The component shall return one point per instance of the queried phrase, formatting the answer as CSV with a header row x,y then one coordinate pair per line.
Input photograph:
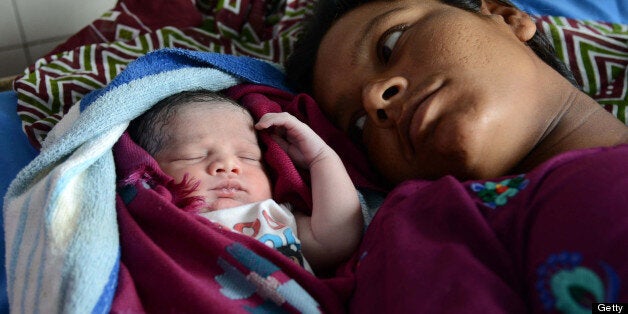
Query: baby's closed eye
x,y
251,158
189,158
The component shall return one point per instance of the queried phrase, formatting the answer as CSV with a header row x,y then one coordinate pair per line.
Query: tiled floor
x,y
31,28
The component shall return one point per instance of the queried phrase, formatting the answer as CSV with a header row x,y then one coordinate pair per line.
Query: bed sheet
x,y
598,10
15,153
150,22
15,149
595,51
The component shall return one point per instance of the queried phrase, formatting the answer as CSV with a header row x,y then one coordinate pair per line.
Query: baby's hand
x,y
301,143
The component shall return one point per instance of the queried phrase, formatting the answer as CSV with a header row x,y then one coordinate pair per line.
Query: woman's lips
x,y
414,120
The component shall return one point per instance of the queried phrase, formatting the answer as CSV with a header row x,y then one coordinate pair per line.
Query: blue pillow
x,y
15,150
599,10
15,153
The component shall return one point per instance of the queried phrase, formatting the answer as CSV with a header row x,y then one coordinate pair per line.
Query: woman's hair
x,y
147,130
300,64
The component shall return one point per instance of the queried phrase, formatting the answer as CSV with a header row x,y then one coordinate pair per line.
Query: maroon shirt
x,y
552,240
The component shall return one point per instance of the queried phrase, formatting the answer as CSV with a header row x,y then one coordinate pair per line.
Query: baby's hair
x,y
147,130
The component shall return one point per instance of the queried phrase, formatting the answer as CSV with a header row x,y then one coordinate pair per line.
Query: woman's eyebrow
x,y
370,27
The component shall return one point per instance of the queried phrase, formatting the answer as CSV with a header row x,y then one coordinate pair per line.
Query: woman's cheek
x,y
468,143
385,151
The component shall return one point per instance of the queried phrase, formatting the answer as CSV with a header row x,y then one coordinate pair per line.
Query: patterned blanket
x,y
597,52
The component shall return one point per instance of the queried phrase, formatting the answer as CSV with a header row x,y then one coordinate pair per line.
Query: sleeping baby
x,y
208,144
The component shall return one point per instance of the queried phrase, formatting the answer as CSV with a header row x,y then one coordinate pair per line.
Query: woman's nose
x,y
383,100
224,166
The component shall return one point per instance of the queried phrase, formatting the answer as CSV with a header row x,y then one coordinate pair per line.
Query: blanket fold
x,y
174,259
76,243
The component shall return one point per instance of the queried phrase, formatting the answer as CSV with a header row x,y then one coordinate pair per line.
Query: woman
x,y
499,161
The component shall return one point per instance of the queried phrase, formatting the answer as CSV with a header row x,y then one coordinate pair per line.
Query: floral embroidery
x,y
563,284
497,194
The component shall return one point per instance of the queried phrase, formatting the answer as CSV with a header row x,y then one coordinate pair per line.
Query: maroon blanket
x,y
175,260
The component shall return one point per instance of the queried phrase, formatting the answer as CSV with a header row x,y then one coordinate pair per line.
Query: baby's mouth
x,y
227,192
228,189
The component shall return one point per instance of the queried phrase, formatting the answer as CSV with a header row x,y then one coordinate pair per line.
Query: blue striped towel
x,y
62,247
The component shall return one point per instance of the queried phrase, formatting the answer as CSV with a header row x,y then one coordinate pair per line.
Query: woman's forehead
x,y
347,37
345,45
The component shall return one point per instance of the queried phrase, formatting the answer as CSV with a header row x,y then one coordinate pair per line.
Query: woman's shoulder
x,y
596,176
596,161
586,173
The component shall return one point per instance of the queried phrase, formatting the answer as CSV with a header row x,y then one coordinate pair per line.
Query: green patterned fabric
x,y
597,54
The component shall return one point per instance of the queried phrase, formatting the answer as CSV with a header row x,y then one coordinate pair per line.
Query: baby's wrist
x,y
326,154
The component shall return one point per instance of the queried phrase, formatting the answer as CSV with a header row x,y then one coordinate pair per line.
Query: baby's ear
x,y
520,22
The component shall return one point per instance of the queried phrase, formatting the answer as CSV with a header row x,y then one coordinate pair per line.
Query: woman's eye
x,y
388,41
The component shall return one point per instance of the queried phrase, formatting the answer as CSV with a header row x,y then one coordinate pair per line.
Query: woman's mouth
x,y
415,120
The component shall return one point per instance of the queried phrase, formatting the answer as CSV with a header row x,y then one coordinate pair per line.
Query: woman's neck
x,y
579,123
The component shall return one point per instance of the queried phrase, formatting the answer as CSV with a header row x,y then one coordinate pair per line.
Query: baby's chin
x,y
223,203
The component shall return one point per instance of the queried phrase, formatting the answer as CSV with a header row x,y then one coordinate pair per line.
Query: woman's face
x,y
431,89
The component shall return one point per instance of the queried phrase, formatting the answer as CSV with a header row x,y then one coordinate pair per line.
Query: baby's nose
x,y
224,166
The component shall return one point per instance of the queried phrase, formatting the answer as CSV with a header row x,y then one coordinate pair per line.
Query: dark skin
x,y
443,91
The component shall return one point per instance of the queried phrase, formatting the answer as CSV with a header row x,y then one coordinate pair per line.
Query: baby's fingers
x,y
275,119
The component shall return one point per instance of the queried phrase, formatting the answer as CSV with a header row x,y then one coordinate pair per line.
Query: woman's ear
x,y
520,22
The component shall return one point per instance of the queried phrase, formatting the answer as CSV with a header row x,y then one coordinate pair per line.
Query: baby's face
x,y
216,145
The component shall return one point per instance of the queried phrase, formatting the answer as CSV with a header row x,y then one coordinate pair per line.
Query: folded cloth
x,y
175,259
61,228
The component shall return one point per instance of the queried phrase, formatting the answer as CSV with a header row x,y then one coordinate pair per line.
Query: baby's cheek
x,y
172,171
